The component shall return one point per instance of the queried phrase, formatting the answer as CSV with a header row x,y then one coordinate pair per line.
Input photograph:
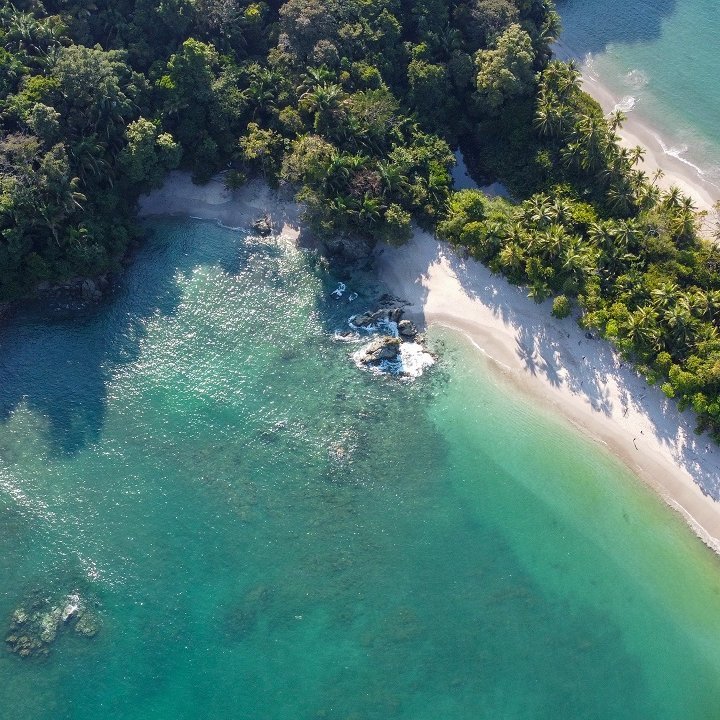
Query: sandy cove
x,y
554,363
550,360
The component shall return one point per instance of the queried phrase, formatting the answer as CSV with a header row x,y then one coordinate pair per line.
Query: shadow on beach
x,y
568,358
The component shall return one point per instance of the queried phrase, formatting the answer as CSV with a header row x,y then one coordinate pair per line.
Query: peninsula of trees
x,y
358,105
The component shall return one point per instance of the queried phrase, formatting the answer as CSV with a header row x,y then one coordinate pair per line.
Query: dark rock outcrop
x,y
263,226
348,248
369,319
382,349
407,329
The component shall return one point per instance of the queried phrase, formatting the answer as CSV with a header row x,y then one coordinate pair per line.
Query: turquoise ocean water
x,y
267,532
660,57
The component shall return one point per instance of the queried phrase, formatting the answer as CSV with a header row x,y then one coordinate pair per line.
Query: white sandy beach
x,y
554,362
551,360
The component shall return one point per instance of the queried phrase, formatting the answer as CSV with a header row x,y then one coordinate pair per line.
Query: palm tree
x,y
315,77
553,242
706,338
323,100
681,325
392,178
713,304
685,220
665,295
262,91
560,210
539,291
436,186
562,78
592,135
549,116
511,260
699,304
641,328
87,158
369,212
673,198
616,119
637,154
578,260
621,197
336,174
538,210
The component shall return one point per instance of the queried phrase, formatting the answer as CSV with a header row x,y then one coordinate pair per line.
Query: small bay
x,y
266,531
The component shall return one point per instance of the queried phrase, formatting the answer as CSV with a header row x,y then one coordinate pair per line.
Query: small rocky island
x,y
396,348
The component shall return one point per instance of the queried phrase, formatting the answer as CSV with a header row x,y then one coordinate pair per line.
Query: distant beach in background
x,y
655,60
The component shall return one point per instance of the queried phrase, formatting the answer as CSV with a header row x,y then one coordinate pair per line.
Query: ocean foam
x,y
348,337
635,79
387,327
626,104
677,153
414,359
588,66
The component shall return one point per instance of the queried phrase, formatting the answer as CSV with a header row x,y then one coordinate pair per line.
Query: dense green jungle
x,y
358,106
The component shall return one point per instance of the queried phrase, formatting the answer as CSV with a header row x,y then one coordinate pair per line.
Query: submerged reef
x,y
35,625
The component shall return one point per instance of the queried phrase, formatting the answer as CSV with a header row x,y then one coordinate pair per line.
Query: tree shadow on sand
x,y
561,353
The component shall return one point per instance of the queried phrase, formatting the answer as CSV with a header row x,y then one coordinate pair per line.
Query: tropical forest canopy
x,y
357,104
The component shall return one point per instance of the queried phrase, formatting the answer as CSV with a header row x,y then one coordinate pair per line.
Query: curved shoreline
x,y
554,363
548,360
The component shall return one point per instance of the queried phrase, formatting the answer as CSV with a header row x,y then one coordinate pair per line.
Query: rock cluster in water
x,y
396,350
35,626
87,289
384,348
263,226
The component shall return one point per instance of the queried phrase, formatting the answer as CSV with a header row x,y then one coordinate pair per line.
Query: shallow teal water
x,y
267,532
664,55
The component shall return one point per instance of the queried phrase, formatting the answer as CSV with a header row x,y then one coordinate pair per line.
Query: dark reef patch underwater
x,y
261,530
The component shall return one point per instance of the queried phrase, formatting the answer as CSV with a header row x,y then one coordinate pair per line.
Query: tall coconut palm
x,y
553,242
616,120
621,197
323,101
591,133
511,260
538,210
681,325
641,328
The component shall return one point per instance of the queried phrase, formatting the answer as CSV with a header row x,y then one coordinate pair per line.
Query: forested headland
x,y
357,104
